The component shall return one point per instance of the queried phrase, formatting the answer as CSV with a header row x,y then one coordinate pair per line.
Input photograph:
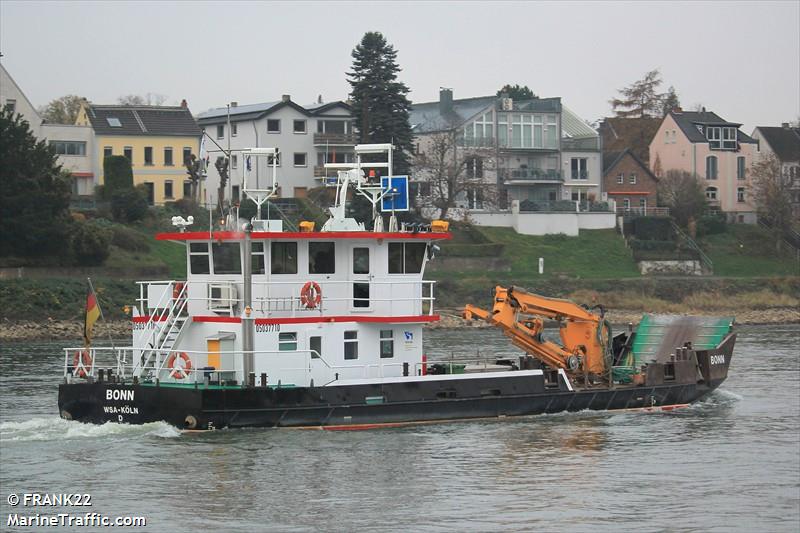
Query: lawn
x,y
747,251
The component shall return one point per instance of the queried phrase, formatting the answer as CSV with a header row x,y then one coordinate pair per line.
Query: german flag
x,y
92,314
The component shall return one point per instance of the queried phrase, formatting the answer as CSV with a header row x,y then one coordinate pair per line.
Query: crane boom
x,y
520,314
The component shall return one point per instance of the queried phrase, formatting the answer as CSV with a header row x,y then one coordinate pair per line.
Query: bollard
x,y
110,375
405,369
263,379
251,379
100,373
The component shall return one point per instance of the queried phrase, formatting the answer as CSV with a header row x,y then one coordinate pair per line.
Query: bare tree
x,y
640,99
137,99
221,164
194,167
772,195
684,194
454,171
62,110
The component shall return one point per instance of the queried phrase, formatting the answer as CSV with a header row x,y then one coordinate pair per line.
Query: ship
x,y
323,328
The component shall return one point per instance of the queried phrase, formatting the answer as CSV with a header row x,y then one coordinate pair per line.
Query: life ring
x,y
311,295
178,371
82,363
177,289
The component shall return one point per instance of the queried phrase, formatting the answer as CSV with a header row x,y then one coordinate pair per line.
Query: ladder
x,y
162,340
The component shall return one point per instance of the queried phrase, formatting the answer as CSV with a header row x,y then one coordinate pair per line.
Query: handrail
x,y
693,245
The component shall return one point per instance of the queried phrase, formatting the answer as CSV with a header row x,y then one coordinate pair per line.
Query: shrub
x,y
711,225
129,239
128,205
89,243
652,245
117,174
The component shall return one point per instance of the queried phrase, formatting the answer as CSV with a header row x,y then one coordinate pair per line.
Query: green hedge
x,y
653,229
652,245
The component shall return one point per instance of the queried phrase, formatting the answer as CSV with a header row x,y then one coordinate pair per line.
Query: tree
x,y
221,164
684,194
136,99
669,101
516,92
640,99
194,168
34,192
452,171
379,102
772,195
117,174
62,110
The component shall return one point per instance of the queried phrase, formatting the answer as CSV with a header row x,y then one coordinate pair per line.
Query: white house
x,y
307,137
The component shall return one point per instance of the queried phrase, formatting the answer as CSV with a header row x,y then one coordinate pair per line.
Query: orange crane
x,y
520,314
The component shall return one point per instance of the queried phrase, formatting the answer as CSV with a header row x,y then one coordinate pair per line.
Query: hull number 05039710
x,y
264,328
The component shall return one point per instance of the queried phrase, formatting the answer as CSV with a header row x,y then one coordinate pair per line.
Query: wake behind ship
x,y
309,328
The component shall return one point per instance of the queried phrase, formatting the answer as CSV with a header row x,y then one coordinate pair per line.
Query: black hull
x,y
313,407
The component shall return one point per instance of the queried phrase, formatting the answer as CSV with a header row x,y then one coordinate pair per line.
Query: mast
x,y
248,320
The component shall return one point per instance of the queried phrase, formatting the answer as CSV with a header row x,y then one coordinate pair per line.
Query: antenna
x,y
250,184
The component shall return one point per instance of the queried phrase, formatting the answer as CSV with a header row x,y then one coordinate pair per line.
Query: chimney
x,y
286,98
704,109
184,104
445,100
234,104
785,125
319,99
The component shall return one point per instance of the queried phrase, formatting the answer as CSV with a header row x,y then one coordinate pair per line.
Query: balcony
x,y
476,142
334,139
533,175
578,175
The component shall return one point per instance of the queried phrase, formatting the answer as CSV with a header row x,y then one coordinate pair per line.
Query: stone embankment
x,y
73,330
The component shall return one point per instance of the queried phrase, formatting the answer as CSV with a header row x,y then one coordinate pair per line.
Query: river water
x,y
728,463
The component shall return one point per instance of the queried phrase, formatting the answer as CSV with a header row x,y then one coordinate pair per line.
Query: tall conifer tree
x,y
379,101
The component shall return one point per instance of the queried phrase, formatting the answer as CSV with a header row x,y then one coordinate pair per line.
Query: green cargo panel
x,y
658,335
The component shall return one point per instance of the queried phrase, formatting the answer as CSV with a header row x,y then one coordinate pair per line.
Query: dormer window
x,y
721,138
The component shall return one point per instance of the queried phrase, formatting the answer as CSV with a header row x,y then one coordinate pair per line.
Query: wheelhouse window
x,y
387,343
360,260
273,125
406,257
360,294
257,259
284,258
321,258
351,344
711,167
287,342
227,258
315,346
199,258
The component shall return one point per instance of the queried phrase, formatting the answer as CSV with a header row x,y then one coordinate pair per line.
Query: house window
x,y
481,131
502,130
626,203
474,198
220,131
740,168
299,126
234,129
149,189
299,159
128,152
551,132
273,125
315,346
187,188
321,258
108,151
332,126
187,153
148,155
114,122
227,258
69,147
257,258
579,165
284,258
711,193
168,157
387,343
642,202
620,178
632,179
711,167
11,104
234,161
474,167
728,138
351,345
287,342
406,257
666,140
235,193
360,260
740,194
168,190
199,258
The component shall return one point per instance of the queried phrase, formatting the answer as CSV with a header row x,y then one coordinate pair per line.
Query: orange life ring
x,y
179,372
176,290
85,360
311,295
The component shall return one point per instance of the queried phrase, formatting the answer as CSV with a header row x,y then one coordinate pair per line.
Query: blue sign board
x,y
397,198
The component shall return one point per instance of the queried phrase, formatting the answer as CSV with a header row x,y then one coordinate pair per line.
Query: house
x,y
784,143
713,149
634,134
73,144
307,136
628,181
541,152
156,139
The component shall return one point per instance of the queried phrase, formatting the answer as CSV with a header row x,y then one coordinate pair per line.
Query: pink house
x,y
712,149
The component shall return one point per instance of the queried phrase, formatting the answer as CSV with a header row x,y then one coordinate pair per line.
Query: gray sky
x,y
739,59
